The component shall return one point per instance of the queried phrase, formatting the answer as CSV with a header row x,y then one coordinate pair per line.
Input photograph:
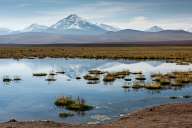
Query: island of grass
x,y
73,104
90,77
7,79
16,78
110,77
39,74
96,72
153,86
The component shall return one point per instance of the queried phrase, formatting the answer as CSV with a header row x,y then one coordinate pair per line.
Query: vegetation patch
x,y
153,86
125,86
135,73
90,77
127,79
60,72
109,78
92,82
187,96
39,74
78,77
65,114
50,78
173,97
140,77
96,72
16,78
73,104
138,85
165,81
173,53
7,79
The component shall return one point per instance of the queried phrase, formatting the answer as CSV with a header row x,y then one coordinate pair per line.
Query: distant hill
x,y
74,29
5,31
127,36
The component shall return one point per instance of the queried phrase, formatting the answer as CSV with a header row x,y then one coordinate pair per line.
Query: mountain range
x,y
74,29
71,25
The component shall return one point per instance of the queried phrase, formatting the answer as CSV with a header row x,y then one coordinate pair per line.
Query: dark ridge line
x,y
106,44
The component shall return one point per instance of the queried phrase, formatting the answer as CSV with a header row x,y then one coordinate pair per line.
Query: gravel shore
x,y
164,116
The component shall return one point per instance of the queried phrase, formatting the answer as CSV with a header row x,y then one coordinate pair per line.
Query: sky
x,y
132,14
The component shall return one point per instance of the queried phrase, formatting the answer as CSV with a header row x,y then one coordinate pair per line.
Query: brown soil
x,y
164,116
148,52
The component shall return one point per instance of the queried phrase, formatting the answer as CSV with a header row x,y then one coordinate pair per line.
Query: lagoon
x,y
33,98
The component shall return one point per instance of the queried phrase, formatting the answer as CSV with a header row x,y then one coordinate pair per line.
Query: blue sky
x,y
137,14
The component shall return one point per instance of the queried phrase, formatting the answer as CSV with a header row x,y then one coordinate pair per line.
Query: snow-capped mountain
x,y
109,28
5,31
35,28
189,30
72,24
155,29
77,25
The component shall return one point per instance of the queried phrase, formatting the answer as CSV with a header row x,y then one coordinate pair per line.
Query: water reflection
x,y
32,99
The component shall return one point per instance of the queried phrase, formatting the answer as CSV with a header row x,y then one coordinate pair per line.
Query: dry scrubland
x,y
153,52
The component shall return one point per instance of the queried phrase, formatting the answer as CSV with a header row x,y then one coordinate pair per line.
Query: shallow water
x,y
33,97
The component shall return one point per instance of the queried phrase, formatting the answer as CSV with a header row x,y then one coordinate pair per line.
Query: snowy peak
x,y
74,18
155,29
77,25
35,28
108,27
70,22
189,30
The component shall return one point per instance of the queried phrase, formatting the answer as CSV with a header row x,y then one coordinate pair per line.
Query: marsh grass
x,y
187,96
78,77
140,77
109,78
138,85
127,79
93,82
174,53
96,72
78,104
7,79
137,73
91,77
65,114
17,78
164,81
175,79
50,78
173,97
39,74
52,73
60,72
153,86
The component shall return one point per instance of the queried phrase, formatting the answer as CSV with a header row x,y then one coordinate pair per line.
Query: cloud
x,y
124,14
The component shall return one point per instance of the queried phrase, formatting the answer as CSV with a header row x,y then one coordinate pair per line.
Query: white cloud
x,y
118,14
142,23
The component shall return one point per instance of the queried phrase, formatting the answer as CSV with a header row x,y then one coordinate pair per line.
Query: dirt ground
x,y
164,116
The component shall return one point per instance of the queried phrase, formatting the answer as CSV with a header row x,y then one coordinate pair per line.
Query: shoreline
x,y
170,115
